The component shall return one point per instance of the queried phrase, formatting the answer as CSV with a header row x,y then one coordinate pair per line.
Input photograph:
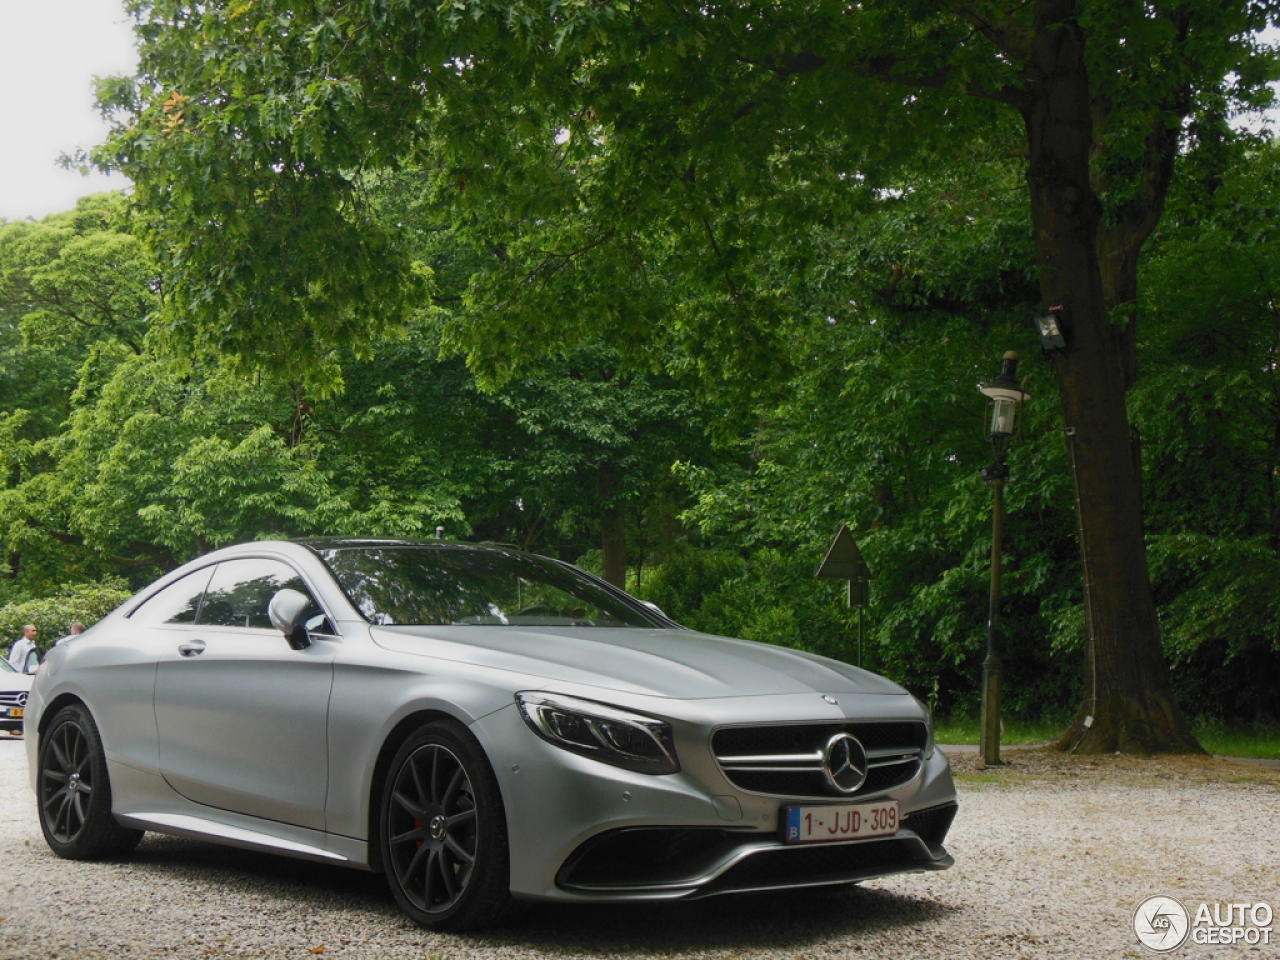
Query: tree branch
x,y
885,68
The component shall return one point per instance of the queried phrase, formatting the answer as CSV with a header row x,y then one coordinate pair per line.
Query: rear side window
x,y
234,593
179,602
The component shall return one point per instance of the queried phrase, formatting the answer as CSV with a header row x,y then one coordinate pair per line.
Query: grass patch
x,y
968,730
1256,740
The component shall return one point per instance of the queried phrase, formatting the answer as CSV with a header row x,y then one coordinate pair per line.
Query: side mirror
x,y
286,610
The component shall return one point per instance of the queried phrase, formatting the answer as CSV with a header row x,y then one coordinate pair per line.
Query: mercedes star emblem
x,y
844,761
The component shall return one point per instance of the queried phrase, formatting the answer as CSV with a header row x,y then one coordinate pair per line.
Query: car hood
x,y
681,664
15,682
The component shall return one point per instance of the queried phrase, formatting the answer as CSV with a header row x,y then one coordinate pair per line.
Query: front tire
x,y
443,831
75,792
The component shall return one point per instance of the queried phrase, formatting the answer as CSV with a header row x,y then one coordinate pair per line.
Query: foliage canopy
x,y
805,211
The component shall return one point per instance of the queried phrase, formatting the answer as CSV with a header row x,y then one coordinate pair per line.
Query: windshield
x,y
4,666
473,586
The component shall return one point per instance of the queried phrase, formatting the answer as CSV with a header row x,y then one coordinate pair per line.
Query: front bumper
x,y
582,830
686,863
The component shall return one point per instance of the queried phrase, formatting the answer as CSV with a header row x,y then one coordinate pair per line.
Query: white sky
x,y
50,50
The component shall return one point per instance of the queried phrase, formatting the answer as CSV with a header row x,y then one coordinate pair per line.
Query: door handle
x,y
193,649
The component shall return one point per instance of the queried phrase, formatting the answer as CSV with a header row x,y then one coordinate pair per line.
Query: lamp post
x,y
1005,393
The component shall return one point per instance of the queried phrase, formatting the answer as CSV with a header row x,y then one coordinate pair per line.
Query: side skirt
x,y
337,850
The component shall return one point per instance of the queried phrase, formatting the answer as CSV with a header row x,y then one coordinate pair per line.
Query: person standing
x,y
22,647
77,628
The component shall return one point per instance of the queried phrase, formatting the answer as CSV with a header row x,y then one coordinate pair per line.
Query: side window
x,y
241,591
176,603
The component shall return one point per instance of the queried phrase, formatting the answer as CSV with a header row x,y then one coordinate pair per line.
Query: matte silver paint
x,y
229,734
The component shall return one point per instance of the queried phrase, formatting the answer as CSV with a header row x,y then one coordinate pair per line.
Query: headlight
x,y
608,734
928,722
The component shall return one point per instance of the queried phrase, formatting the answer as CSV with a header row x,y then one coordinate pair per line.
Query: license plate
x,y
15,712
847,822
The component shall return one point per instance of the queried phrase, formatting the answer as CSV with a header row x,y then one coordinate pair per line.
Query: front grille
x,y
15,699
785,760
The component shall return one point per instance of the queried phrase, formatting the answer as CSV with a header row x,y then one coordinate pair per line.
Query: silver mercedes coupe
x,y
480,725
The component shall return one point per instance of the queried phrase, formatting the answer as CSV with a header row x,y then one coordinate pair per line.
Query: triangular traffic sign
x,y
843,560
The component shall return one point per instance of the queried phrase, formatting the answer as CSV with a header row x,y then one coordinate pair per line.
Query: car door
x,y
242,717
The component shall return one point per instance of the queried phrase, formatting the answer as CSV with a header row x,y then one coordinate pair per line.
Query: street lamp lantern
x,y
1004,416
1005,393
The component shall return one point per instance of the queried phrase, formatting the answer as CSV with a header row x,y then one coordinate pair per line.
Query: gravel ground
x,y
1052,857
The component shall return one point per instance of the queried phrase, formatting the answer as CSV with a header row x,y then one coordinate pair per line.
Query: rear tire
x,y
443,831
75,792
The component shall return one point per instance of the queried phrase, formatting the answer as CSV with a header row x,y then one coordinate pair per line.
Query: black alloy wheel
x,y
443,831
75,793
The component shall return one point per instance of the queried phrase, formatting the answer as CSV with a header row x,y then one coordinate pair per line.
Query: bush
x,y
1220,616
682,585
54,614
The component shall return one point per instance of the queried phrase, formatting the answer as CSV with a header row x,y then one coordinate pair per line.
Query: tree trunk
x,y
1129,704
613,528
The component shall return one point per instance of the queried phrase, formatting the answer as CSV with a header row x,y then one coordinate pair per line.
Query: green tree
x,y
629,143
76,278
885,432
166,458
1208,407
132,458
76,289
598,446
